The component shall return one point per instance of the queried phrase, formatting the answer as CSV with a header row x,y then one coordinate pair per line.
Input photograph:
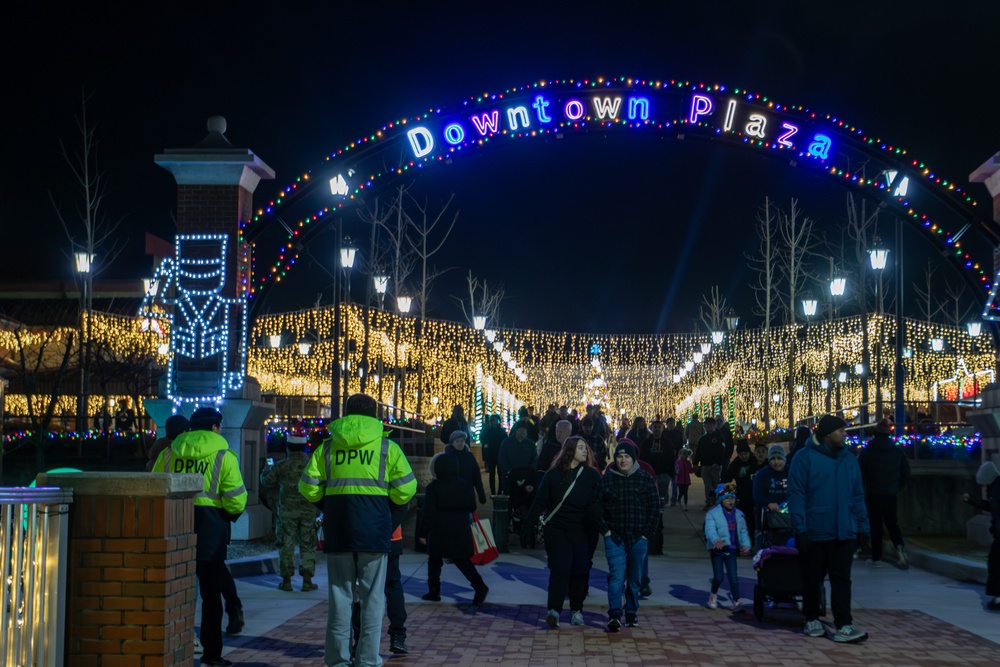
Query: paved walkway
x,y
915,617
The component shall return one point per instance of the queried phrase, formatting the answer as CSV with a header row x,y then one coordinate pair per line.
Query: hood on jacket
x,y
355,431
445,466
198,444
987,473
822,448
613,467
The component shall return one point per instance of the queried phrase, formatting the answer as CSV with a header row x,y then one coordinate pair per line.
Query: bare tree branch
x,y
482,300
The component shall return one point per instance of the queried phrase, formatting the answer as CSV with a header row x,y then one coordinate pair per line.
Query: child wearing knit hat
x,y
725,535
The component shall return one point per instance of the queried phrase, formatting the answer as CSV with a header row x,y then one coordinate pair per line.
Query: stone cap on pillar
x,y
160,485
215,161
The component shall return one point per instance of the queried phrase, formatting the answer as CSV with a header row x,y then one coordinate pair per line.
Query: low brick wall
x,y
131,581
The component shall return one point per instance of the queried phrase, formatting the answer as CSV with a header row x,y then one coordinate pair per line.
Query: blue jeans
x,y
725,559
624,575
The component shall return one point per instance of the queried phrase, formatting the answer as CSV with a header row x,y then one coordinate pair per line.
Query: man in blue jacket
x,y
827,503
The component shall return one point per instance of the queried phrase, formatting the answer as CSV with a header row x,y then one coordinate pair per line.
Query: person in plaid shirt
x,y
631,506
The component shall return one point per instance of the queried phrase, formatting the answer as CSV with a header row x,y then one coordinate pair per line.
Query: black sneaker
x,y
993,605
480,597
236,623
397,644
431,596
216,662
631,620
645,591
614,625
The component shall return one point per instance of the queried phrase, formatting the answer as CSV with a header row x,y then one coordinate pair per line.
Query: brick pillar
x,y
131,581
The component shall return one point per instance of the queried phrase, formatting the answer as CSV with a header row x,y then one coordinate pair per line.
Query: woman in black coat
x,y
571,531
448,504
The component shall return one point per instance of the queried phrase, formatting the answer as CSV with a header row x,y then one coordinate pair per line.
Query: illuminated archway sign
x,y
717,113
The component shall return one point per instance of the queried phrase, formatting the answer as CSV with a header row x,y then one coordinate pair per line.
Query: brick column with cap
x,y
131,576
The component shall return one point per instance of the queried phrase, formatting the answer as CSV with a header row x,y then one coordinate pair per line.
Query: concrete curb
x,y
254,565
953,567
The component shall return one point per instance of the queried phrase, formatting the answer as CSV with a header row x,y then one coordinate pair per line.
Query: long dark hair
x,y
568,451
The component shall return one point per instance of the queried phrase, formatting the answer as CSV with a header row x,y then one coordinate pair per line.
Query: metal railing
x,y
34,526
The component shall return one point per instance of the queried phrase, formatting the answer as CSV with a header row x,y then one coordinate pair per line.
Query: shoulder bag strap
x,y
565,495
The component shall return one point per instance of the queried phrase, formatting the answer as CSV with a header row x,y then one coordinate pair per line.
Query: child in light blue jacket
x,y
725,535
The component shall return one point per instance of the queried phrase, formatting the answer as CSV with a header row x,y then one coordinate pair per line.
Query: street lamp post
x,y
878,259
84,266
347,255
838,285
900,374
381,285
403,304
809,306
335,382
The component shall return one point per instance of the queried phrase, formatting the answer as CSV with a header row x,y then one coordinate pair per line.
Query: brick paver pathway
x,y
462,636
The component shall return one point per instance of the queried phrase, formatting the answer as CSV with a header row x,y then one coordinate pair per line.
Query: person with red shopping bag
x,y
448,504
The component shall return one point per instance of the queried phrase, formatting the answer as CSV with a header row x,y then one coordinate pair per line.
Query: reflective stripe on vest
x,y
213,483
380,482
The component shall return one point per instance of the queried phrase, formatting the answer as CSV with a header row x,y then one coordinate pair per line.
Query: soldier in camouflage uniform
x,y
296,515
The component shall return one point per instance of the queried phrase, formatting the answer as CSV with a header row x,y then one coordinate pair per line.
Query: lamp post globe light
x,y
878,256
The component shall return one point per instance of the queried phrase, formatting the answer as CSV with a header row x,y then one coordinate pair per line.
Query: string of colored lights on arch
x,y
394,130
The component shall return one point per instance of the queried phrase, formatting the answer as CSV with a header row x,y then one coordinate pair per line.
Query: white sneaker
x,y
848,634
814,629
713,601
738,606
904,562
576,618
552,618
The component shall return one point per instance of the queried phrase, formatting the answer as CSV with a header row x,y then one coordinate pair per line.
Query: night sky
x,y
615,234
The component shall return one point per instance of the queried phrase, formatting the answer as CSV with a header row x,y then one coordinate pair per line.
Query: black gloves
x,y
864,540
802,543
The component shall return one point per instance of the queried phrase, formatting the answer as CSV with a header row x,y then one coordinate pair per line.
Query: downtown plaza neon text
x,y
542,112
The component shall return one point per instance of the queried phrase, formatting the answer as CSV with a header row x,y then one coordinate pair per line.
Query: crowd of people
x,y
589,485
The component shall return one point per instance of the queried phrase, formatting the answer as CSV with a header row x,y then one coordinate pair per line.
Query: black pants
x,y
833,558
882,509
211,579
570,554
229,594
491,469
993,569
464,565
394,599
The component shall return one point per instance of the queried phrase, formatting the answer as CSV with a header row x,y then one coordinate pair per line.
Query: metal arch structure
x,y
804,138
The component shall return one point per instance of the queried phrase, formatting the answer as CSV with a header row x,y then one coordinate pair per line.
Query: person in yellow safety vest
x,y
202,450
360,476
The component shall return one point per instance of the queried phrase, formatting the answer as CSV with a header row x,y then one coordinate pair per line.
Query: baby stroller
x,y
521,493
779,572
